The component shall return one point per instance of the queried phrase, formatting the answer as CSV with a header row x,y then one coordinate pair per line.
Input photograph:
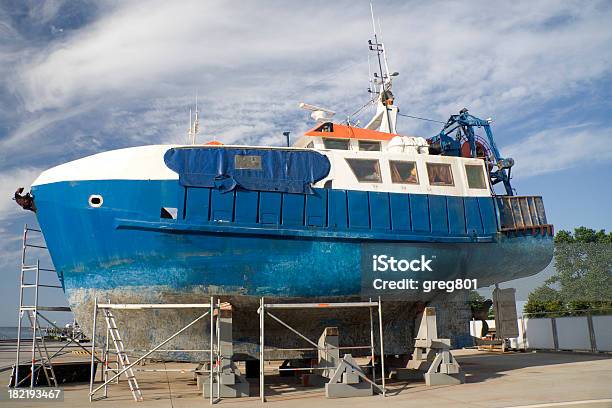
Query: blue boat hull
x,y
124,251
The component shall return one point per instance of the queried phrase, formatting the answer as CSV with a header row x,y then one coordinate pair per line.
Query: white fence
x,y
583,333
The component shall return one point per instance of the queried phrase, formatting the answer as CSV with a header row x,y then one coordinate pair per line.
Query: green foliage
x,y
583,278
475,299
544,301
481,308
583,235
563,237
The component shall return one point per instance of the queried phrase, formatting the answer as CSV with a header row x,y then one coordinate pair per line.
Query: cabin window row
x,y
405,172
344,144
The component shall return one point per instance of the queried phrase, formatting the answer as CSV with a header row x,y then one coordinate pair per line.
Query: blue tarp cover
x,y
289,171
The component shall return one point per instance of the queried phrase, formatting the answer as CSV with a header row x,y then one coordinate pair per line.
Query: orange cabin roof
x,y
214,143
335,130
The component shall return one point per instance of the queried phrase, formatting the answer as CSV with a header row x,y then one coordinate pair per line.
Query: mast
x,y
189,131
378,48
386,112
196,122
194,126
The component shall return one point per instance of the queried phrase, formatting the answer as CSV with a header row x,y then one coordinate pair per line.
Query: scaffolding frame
x,y
263,310
33,313
212,312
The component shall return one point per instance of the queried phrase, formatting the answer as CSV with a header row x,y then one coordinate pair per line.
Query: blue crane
x,y
464,124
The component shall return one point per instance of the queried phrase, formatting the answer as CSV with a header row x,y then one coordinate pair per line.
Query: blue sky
x,y
80,77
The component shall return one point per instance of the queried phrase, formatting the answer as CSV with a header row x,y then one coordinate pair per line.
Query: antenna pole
x,y
382,78
384,51
195,128
189,132
372,14
370,80
380,48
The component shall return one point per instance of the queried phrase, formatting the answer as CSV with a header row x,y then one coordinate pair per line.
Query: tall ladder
x,y
38,341
121,354
39,350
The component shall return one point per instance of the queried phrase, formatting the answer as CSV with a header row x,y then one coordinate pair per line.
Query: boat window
x,y
338,144
404,172
475,176
366,171
326,127
440,174
169,213
310,145
247,162
369,146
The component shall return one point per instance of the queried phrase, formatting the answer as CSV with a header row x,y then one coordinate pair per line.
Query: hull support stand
x,y
432,358
342,376
225,380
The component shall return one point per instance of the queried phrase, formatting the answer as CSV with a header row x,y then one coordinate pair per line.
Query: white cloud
x,y
29,129
561,148
142,43
138,66
492,60
129,76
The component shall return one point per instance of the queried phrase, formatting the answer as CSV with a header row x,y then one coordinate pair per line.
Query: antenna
x,y
372,14
190,126
196,122
370,80
194,126
384,49
376,46
384,76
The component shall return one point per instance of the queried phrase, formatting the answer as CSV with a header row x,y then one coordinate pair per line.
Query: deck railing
x,y
519,212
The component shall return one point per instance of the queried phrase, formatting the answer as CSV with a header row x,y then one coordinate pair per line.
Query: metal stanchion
x,y
261,350
212,319
382,346
93,349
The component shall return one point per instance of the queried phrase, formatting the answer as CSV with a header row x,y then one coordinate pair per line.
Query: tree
x,y
544,302
481,309
475,299
583,278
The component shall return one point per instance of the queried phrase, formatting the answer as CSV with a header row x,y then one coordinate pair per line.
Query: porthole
x,y
95,200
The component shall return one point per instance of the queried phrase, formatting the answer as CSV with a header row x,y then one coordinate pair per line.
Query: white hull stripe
x,y
147,163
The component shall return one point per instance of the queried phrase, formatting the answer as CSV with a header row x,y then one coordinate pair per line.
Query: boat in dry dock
x,y
179,223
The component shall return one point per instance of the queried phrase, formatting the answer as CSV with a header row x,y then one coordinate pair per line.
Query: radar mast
x,y
385,118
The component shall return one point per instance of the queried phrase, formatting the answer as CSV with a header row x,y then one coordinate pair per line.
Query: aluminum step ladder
x,y
39,345
38,339
30,284
121,354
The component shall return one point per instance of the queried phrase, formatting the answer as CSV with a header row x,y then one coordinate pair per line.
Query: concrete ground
x,y
529,379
